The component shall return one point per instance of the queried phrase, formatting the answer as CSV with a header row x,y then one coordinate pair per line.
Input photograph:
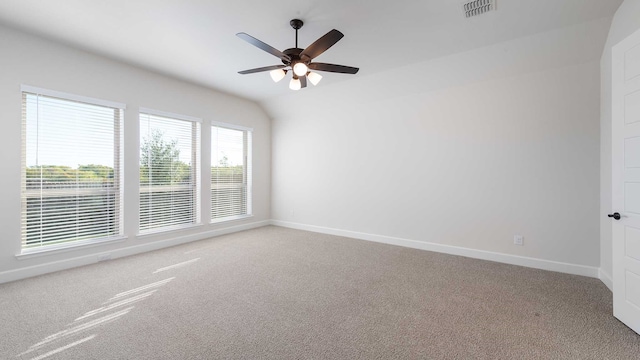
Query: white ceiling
x,y
195,39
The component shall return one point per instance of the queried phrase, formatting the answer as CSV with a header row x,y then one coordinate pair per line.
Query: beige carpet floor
x,y
276,293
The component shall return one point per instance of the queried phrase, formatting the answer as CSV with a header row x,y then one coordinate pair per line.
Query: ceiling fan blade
x,y
266,68
321,45
333,68
303,81
261,45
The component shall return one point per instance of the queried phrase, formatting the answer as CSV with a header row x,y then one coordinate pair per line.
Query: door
x,y
626,181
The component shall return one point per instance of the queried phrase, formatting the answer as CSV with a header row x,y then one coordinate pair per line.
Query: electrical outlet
x,y
518,240
104,257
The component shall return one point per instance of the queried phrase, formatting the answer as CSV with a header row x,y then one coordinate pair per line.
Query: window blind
x,y
169,157
230,173
71,170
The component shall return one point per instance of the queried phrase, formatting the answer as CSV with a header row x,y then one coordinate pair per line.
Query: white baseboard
x,y
26,272
606,279
567,268
22,273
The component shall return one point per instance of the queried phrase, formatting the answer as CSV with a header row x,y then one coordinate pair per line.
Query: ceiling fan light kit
x,y
300,69
295,84
314,78
278,74
299,60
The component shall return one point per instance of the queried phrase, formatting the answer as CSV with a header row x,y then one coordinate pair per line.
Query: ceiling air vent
x,y
478,7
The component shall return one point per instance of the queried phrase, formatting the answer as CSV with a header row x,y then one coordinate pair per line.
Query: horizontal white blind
x,y
71,166
169,153
230,173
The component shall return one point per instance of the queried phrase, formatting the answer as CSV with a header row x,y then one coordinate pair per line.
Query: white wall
x,y
625,22
462,151
37,62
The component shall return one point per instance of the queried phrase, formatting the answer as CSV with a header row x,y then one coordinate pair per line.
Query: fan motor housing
x,y
294,54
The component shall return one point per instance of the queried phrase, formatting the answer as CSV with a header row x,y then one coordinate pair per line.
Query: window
x,y
169,171
71,170
230,172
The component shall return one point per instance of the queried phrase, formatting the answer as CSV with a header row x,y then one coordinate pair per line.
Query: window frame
x,y
248,176
118,170
196,157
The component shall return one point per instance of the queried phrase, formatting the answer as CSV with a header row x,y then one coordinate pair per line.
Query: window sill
x,y
167,230
60,248
230,218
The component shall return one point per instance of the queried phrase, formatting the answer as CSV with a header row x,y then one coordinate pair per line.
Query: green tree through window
x,y
160,161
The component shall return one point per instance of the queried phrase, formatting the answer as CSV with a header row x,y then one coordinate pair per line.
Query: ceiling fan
x,y
299,60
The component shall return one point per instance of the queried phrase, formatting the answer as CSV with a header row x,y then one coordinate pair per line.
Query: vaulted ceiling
x,y
195,40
